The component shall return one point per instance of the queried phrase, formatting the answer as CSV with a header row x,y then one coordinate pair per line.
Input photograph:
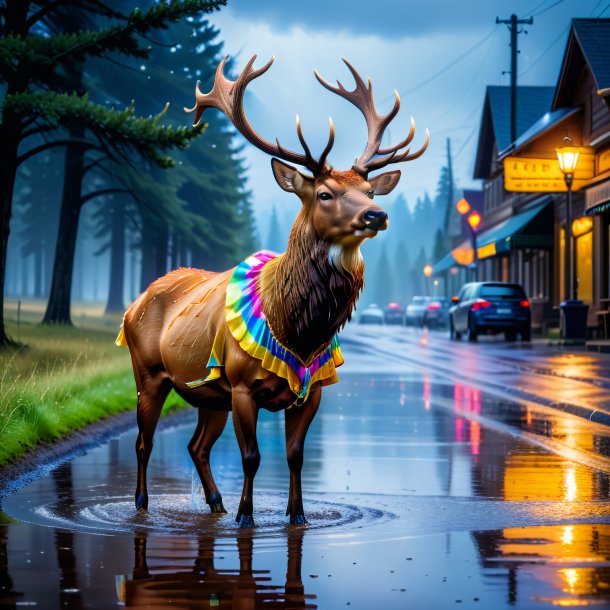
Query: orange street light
x,y
428,270
462,206
474,220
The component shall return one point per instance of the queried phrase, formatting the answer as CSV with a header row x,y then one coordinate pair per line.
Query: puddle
x,y
412,501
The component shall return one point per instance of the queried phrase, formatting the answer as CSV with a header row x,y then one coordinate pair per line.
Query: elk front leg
x,y
209,428
245,417
298,420
151,396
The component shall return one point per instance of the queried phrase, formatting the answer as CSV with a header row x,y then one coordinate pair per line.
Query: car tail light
x,y
480,305
524,303
433,306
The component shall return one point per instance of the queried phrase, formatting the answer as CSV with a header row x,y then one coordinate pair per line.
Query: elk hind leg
x,y
209,428
151,396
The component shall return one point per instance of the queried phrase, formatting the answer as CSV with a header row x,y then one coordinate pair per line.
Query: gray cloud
x,y
386,18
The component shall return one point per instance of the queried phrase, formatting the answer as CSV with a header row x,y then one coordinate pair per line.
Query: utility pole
x,y
513,24
450,201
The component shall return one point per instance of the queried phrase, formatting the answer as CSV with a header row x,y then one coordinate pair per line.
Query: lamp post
x,y
573,311
473,220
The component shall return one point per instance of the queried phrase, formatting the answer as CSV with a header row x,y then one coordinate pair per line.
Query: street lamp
x,y
574,312
428,273
474,220
568,159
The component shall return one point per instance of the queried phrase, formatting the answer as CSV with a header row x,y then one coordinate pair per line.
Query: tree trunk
x,y
38,279
117,259
15,19
161,251
10,135
58,308
149,253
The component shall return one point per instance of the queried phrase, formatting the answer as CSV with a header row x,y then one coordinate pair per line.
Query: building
x,y
513,240
522,235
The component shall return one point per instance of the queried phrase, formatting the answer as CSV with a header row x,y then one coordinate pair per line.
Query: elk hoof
x,y
298,520
142,501
215,503
246,521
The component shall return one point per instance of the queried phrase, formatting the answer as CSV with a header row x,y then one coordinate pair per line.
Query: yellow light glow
x,y
474,220
582,225
568,158
462,206
428,270
571,578
567,536
463,255
487,251
571,489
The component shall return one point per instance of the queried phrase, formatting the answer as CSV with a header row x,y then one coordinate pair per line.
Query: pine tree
x,y
40,67
384,280
275,241
402,266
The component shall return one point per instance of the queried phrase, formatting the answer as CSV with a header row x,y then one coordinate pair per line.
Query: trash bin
x,y
573,319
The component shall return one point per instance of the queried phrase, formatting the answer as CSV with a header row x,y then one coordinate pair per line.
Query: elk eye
x,y
324,196
370,194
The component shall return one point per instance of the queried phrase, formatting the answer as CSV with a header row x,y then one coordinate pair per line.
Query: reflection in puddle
x,y
184,572
400,471
570,563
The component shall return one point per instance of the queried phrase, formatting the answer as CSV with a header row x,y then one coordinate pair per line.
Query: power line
x,y
472,80
544,10
561,35
451,64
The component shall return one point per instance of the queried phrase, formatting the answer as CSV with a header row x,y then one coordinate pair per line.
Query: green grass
x,y
61,379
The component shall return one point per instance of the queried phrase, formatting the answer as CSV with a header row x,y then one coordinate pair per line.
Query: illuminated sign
x,y
535,174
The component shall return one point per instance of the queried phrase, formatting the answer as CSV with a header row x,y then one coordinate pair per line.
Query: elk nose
x,y
375,219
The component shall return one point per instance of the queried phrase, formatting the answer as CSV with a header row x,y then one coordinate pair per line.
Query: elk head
x,y
337,205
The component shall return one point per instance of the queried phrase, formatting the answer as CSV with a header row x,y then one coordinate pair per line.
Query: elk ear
x,y
385,183
288,177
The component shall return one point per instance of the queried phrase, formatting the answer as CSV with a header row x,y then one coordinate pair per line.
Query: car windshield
x,y
418,300
502,291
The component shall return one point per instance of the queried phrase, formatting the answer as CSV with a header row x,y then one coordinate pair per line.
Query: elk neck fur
x,y
309,292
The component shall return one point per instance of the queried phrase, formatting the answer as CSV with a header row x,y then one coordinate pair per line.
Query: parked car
x,y
490,307
415,311
373,314
436,313
393,313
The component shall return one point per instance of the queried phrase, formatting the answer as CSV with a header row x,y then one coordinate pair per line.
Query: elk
x,y
264,334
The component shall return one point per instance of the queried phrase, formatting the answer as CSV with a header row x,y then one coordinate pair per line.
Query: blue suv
x,y
490,307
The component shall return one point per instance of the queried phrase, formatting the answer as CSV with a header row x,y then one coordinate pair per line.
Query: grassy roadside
x,y
62,379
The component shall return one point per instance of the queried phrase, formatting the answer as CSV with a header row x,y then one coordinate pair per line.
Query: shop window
x,y
562,264
584,266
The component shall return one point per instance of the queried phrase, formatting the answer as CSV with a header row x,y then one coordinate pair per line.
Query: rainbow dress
x,y
248,325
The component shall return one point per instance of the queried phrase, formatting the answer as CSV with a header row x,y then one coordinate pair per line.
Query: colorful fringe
x,y
248,325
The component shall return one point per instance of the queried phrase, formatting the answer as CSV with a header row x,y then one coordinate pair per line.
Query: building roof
x,y
532,103
587,45
547,121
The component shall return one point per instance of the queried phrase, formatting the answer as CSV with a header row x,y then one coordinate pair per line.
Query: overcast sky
x,y
401,45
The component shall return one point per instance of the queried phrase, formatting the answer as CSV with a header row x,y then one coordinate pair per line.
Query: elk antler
x,y
228,97
362,98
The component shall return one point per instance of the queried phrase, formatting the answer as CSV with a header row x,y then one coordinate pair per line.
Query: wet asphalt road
x,y
436,475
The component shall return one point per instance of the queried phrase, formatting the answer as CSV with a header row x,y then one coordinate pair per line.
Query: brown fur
x,y
306,297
